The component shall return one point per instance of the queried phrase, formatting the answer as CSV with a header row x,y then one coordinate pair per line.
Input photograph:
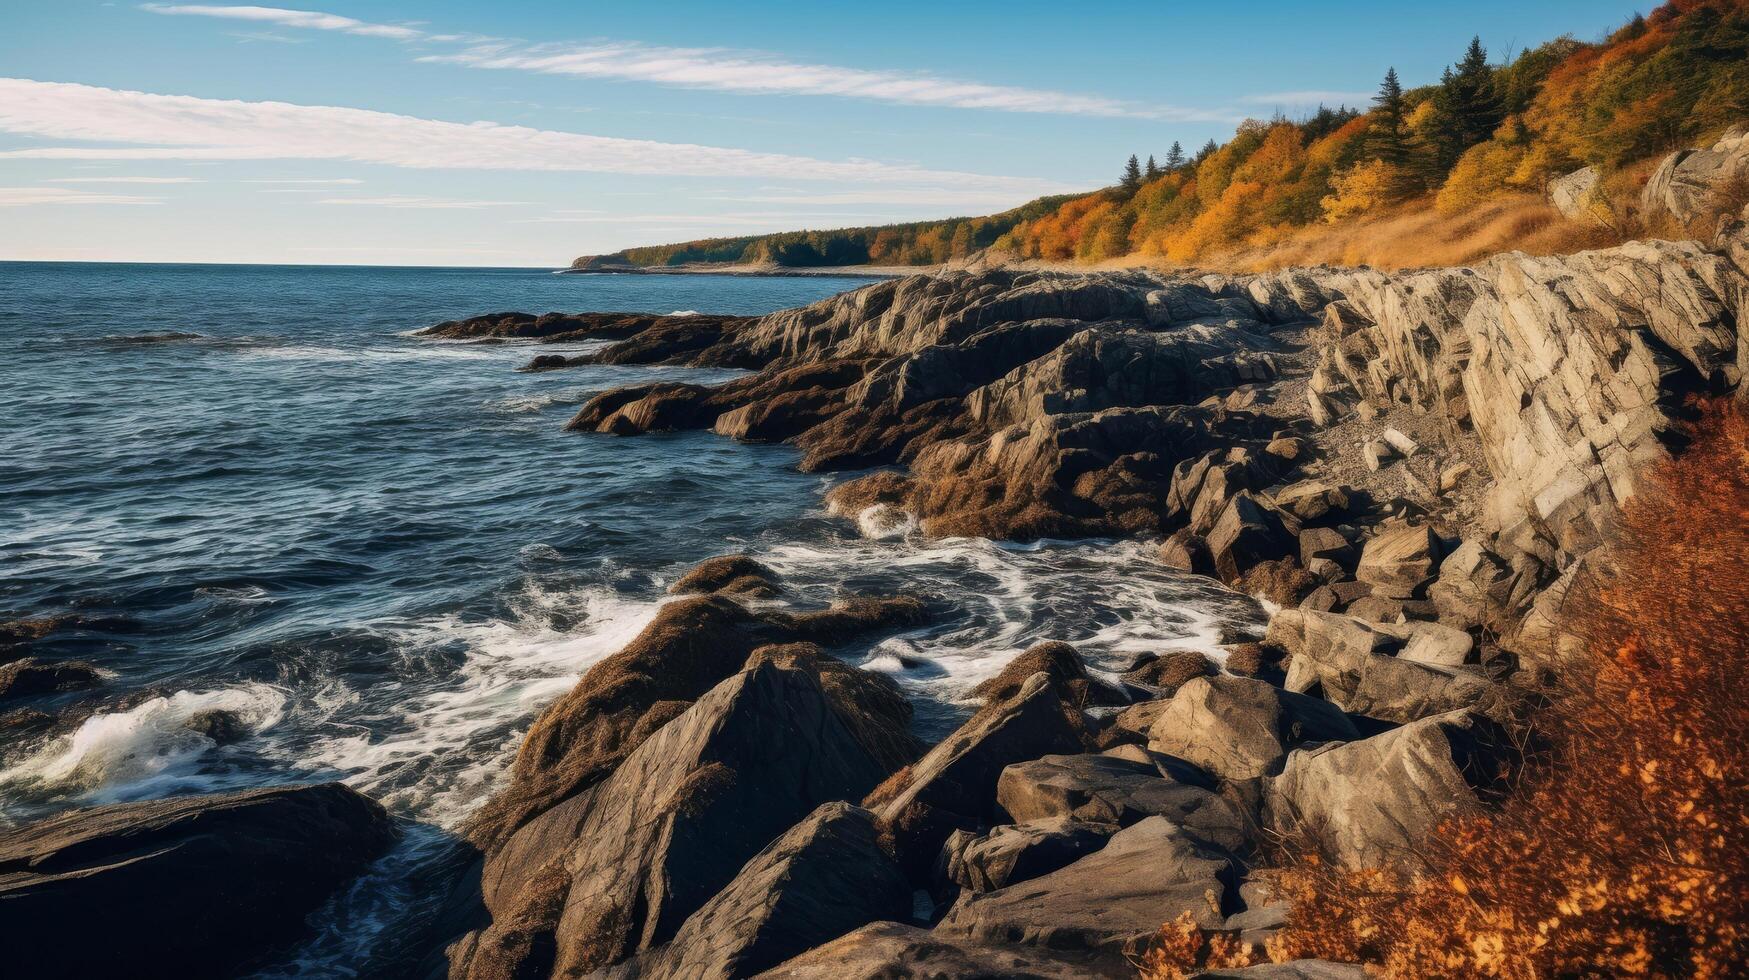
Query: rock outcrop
x,y
198,886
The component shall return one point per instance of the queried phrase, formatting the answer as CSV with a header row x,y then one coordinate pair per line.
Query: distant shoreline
x,y
724,269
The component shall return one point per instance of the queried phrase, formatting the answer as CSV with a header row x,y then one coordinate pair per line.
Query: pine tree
x,y
1469,107
1387,138
1152,172
1132,176
1209,149
1175,156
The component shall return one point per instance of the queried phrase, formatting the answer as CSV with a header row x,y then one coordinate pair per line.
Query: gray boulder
x,y
1579,195
1372,803
1105,789
891,951
1292,970
1346,660
615,870
1241,728
953,787
1399,560
824,877
196,886
1018,852
1688,183
1110,902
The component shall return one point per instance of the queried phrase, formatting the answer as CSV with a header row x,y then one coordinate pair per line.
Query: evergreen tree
x,y
1469,107
1175,156
1387,139
1152,172
1132,176
1209,149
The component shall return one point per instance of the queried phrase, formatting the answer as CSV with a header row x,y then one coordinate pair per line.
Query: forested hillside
x,y
1438,173
1485,132
915,243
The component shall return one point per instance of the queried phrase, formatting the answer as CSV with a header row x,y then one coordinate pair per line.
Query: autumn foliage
x,y
1489,132
1625,849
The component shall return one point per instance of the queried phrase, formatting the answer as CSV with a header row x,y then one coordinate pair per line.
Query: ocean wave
x,y
144,752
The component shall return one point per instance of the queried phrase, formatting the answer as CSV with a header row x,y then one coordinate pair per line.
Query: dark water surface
x,y
382,555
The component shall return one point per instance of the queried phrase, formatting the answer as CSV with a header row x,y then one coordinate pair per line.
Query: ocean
x,y
382,554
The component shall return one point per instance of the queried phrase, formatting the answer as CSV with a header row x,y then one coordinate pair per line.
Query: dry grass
x,y
1417,235
1624,851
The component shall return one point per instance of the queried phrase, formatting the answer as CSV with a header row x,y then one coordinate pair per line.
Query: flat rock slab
x,y
1373,802
1108,903
196,886
1105,789
893,951
1017,852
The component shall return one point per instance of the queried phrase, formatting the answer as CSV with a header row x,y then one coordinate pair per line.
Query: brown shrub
x,y
1624,848
1181,949
1172,670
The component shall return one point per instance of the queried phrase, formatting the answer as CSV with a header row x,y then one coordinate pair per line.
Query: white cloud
x,y
416,202
897,196
179,127
716,69
302,180
288,18
747,72
18,197
126,180
1308,97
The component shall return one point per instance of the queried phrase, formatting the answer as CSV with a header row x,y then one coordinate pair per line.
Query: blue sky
x,y
524,133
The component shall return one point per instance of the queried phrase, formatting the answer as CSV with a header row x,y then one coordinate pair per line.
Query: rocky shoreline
x,y
1409,469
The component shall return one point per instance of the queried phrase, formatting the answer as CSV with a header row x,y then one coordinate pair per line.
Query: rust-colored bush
x,y
1624,848
1181,948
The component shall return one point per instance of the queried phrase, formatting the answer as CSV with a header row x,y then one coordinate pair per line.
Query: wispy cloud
x,y
126,180
282,17
892,196
723,70
739,219
178,127
302,180
1306,97
416,202
18,197
716,69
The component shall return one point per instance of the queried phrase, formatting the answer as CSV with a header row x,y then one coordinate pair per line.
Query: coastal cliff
x,y
1411,469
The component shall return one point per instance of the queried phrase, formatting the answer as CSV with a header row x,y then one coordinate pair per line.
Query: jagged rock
x,y
1688,184
1475,588
1372,803
1402,444
560,327
1239,728
31,676
1312,500
1068,675
1327,543
1580,196
953,787
1377,453
1398,560
892,951
1103,789
1345,660
733,574
823,878
614,871
1187,552
223,727
1013,853
1440,646
1247,533
195,886
689,647
1452,476
1109,902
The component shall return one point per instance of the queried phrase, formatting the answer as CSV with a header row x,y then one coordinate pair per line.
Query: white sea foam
x,y
436,754
684,313
146,751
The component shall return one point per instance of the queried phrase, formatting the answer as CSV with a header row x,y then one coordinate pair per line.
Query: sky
x,y
527,132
